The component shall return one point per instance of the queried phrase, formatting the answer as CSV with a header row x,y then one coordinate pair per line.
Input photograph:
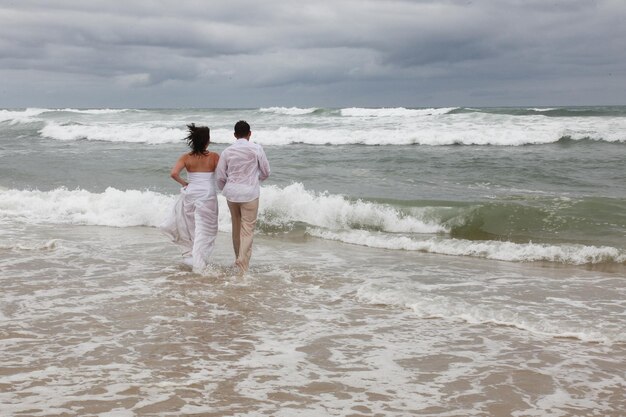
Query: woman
x,y
192,223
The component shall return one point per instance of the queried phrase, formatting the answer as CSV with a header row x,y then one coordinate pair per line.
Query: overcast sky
x,y
324,53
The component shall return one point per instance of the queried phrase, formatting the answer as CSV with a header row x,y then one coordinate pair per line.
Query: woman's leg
x,y
206,222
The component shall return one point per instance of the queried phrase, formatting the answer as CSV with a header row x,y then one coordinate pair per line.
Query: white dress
x,y
192,223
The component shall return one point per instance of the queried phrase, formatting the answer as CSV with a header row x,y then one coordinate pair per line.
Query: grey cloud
x,y
341,46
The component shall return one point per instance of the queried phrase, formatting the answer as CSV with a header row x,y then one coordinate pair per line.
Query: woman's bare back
x,y
201,163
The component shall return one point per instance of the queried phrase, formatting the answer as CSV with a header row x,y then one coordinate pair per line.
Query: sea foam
x,y
454,308
497,250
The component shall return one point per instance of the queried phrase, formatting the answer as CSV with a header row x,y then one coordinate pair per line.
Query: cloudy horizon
x,y
319,54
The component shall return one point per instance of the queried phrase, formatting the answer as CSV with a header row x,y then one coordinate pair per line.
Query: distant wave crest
x,y
139,133
461,133
96,111
290,111
21,116
281,126
30,115
394,112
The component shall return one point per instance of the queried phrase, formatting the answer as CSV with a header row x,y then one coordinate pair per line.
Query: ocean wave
x,y
96,111
289,111
468,132
284,206
136,132
113,207
280,208
496,250
30,115
451,308
549,112
542,109
21,116
394,112
322,215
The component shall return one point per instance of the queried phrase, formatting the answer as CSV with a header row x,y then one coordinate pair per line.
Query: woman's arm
x,y
175,173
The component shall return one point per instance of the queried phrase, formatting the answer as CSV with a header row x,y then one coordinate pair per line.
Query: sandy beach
x,y
307,333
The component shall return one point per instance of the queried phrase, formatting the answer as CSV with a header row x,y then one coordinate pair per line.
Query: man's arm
x,y
220,172
264,165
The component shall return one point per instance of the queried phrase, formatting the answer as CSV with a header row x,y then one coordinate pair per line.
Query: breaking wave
x,y
322,215
138,133
281,126
21,116
497,135
496,250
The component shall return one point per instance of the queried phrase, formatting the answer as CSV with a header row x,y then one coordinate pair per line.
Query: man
x,y
241,168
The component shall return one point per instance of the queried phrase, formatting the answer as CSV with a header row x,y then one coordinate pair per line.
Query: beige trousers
x,y
243,217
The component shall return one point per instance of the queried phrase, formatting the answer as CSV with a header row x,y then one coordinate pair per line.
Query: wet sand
x,y
104,322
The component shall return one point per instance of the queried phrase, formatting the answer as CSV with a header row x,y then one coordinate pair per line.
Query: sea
x,y
407,262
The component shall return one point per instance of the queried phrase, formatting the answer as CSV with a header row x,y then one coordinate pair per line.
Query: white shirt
x,y
241,168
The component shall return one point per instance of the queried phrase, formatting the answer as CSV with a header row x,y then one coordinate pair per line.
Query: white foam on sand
x,y
472,311
30,246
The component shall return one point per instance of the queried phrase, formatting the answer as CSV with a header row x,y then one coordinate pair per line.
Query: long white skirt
x,y
192,224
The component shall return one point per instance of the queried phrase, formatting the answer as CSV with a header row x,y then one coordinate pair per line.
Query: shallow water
x,y
101,321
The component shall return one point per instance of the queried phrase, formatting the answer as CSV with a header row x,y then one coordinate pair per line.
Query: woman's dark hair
x,y
242,129
198,139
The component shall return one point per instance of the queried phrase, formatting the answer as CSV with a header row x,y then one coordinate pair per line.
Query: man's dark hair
x,y
198,139
242,129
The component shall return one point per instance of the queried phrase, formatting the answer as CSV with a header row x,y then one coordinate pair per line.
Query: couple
x,y
192,223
